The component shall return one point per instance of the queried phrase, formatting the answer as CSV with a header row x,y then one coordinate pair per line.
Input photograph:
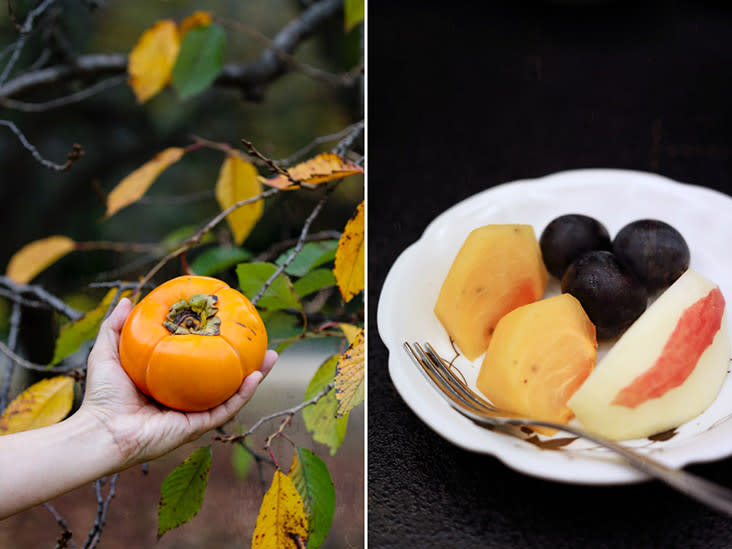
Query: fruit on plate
x,y
497,269
652,250
666,369
539,355
612,297
191,341
567,237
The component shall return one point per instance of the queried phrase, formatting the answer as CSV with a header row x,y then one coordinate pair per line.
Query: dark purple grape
x,y
610,295
567,237
654,251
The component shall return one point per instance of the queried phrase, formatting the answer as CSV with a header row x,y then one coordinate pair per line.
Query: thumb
x,y
107,342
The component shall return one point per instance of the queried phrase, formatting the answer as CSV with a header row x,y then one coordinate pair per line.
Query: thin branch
x,y
42,295
73,156
135,247
177,199
15,298
348,134
297,248
279,247
102,508
12,342
250,78
289,413
65,538
20,361
196,238
271,163
70,99
345,144
25,32
346,79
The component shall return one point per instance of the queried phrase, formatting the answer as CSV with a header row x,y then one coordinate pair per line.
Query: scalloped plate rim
x,y
570,467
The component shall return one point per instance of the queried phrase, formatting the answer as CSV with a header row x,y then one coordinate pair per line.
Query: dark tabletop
x,y
464,96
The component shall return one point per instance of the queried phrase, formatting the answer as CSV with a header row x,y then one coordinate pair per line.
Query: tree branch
x,y
43,296
73,156
297,248
250,78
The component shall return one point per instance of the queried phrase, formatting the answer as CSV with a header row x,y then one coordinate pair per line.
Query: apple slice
x,y
666,369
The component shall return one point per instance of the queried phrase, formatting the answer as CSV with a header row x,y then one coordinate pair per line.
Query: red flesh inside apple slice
x,y
692,335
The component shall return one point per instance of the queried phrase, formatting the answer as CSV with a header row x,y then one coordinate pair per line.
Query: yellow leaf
x,y
320,169
40,405
151,60
196,19
238,181
350,331
32,258
349,258
349,376
132,187
282,521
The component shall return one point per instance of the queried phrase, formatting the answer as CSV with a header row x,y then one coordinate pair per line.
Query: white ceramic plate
x,y
615,197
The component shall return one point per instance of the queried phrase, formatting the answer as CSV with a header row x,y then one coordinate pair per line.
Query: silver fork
x,y
476,408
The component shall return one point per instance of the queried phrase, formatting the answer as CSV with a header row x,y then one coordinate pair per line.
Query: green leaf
x,y
315,486
181,494
354,13
241,461
314,281
74,334
320,418
312,254
218,259
199,61
280,325
279,295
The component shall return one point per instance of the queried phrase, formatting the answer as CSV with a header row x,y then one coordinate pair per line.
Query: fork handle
x,y
714,495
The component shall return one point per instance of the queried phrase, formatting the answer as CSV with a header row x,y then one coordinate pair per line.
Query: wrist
x,y
94,436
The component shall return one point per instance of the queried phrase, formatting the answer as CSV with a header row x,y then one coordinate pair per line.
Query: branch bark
x,y
250,78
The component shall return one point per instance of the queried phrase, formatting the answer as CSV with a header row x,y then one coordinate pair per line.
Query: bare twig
x,y
347,141
70,99
73,156
12,342
33,304
269,162
42,295
347,135
176,200
25,32
65,537
28,365
196,238
135,247
346,79
276,249
102,508
251,78
120,284
287,414
297,248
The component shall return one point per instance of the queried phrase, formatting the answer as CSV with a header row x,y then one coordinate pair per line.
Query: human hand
x,y
142,429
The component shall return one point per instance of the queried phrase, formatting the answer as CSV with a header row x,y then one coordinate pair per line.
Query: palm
x,y
143,429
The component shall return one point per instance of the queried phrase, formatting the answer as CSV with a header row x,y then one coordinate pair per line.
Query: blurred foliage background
x,y
118,135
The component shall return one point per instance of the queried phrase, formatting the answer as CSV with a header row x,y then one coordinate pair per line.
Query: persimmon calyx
x,y
197,316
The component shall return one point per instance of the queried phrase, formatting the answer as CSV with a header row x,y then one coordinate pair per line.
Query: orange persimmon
x,y
191,341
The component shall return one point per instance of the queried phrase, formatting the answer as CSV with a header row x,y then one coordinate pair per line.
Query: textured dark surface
x,y
462,98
